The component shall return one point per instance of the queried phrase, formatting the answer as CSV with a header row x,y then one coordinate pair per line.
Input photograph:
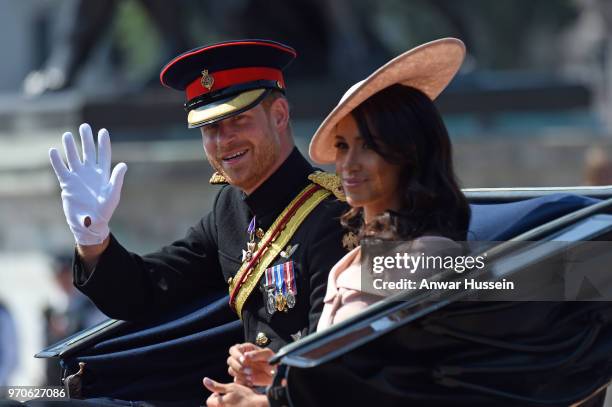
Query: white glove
x,y
89,195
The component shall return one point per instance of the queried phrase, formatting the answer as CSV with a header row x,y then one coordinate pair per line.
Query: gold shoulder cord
x,y
329,181
276,246
217,178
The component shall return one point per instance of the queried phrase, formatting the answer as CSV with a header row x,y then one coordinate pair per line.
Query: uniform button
x,y
229,280
259,233
261,339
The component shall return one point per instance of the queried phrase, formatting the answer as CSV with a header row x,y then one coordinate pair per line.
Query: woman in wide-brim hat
x,y
393,156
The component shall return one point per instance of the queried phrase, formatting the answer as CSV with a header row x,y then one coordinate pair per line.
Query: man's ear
x,y
279,114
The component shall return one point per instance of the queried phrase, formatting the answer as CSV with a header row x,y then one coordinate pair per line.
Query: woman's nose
x,y
351,160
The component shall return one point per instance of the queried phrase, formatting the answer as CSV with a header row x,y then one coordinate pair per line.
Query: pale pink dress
x,y
344,297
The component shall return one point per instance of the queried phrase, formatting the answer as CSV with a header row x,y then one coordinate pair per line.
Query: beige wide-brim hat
x,y
429,67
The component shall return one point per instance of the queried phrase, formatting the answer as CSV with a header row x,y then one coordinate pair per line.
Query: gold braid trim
x,y
276,246
329,181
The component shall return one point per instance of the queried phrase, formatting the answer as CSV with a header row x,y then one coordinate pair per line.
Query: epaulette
x,y
329,181
217,178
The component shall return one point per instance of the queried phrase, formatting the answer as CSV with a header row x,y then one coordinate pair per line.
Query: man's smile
x,y
234,157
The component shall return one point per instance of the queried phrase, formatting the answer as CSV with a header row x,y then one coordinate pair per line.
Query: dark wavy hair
x,y
403,125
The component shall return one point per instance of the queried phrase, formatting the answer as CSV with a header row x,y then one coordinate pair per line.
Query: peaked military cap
x,y
224,79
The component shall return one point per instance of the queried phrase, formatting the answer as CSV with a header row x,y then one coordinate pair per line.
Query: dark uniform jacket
x,y
127,286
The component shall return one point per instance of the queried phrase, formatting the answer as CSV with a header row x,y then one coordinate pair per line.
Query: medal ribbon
x,y
290,277
269,278
251,228
280,279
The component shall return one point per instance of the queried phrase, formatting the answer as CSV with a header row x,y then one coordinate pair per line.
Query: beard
x,y
259,162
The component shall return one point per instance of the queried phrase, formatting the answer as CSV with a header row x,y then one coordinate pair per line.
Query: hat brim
x,y
225,108
429,67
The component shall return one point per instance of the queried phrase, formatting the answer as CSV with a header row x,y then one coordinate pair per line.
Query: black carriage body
x,y
395,353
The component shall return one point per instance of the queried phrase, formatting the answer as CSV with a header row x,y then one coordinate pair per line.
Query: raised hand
x,y
90,193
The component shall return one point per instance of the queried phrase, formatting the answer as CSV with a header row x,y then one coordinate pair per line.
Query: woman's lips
x,y
352,182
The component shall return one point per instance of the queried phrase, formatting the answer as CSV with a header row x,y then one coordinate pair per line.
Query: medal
x,y
279,287
290,281
281,302
279,280
269,292
247,254
270,303
290,300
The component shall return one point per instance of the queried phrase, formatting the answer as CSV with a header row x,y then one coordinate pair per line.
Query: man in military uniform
x,y
273,233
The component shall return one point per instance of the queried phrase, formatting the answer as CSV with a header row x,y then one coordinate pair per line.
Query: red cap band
x,y
223,79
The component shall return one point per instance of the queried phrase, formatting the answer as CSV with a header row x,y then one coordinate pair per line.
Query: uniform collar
x,y
282,186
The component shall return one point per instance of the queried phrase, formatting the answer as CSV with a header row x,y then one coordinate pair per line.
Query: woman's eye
x,y
366,146
340,145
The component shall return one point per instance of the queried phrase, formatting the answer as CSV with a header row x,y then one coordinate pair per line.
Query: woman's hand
x,y
233,394
248,365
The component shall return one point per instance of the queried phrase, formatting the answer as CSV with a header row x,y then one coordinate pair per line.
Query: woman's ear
x,y
279,114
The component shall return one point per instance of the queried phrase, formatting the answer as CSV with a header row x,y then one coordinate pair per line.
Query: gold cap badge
x,y
207,80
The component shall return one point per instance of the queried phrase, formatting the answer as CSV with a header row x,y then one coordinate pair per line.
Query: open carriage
x,y
417,350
